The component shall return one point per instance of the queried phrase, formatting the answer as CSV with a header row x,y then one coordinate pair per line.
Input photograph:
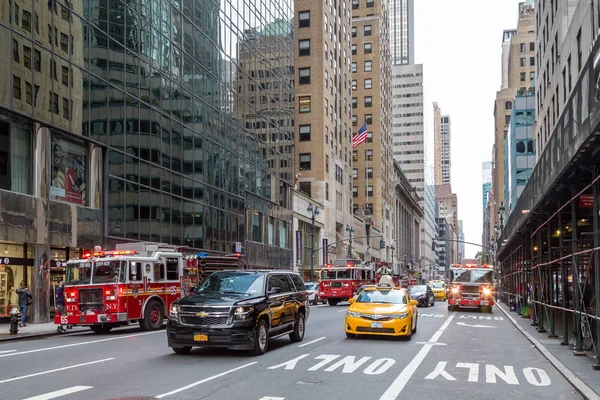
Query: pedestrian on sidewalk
x,y
25,299
59,295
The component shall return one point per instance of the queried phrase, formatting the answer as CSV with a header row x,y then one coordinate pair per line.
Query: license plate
x,y
376,324
200,338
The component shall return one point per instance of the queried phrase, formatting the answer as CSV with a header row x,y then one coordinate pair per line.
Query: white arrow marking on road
x,y
59,393
290,364
474,326
440,371
54,370
311,342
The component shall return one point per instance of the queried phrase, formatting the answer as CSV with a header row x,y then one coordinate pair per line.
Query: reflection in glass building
x,y
126,121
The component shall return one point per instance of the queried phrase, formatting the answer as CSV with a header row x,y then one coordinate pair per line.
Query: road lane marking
x,y
55,370
433,343
440,370
290,364
7,351
210,378
59,393
534,376
312,341
400,382
347,365
78,344
474,326
342,310
271,398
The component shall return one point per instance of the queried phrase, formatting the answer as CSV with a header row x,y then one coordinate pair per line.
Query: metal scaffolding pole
x,y
575,279
550,281
564,283
596,261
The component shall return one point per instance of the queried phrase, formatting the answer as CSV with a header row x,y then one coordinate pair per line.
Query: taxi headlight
x,y
487,291
400,315
353,314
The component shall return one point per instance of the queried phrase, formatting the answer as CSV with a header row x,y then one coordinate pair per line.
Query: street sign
x,y
238,247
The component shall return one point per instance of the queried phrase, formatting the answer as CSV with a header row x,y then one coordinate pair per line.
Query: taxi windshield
x,y
382,297
78,273
436,285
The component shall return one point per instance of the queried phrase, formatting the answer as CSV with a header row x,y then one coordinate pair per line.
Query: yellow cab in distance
x,y
382,310
439,289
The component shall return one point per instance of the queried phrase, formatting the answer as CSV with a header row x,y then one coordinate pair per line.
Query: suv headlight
x,y
353,314
174,312
242,313
399,316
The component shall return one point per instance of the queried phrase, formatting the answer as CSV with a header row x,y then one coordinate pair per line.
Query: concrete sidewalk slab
x,y
34,331
577,370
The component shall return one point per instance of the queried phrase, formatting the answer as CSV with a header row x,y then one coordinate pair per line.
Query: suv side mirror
x,y
275,290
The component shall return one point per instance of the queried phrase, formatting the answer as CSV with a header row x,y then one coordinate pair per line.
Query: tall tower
x,y
372,104
402,31
442,146
323,113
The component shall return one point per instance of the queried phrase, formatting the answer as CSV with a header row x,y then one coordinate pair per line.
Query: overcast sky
x,y
460,44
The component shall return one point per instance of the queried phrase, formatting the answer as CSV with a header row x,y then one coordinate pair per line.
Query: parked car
x,y
312,288
240,310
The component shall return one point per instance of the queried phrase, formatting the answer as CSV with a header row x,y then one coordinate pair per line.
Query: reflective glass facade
x,y
145,121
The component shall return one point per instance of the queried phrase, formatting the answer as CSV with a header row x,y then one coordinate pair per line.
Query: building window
x,y
531,46
304,47
304,76
368,48
354,120
304,133
368,30
326,163
326,191
305,188
28,93
369,119
353,31
507,105
355,4
27,57
69,169
66,108
507,120
355,173
16,153
64,11
65,76
532,61
16,87
368,66
354,67
16,51
354,191
368,101
370,191
304,102
523,76
369,137
369,155
26,21
304,19
522,61
304,159
370,173
257,226
354,85
64,42
531,75
354,155
522,48
37,60
370,3
353,49
368,83
354,102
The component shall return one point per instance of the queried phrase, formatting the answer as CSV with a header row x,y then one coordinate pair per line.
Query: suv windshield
x,y
233,283
78,273
382,297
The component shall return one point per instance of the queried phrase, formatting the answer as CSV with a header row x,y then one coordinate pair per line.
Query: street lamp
x,y
314,211
350,230
501,210
392,248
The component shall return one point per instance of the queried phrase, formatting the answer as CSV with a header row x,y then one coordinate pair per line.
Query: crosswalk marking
x,y
59,393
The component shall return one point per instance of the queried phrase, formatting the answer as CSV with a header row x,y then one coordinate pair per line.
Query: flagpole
x,y
367,191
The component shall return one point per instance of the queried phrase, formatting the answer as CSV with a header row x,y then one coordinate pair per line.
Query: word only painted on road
x,y
493,374
333,362
484,317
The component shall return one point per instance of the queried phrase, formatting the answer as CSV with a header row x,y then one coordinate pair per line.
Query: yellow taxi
x,y
439,289
382,310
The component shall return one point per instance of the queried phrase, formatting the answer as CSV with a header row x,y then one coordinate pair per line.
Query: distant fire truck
x,y
136,283
341,280
472,286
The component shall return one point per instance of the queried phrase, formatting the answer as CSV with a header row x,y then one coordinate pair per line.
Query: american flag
x,y
361,136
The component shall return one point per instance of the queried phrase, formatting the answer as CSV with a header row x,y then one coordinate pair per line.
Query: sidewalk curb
x,y
36,335
584,390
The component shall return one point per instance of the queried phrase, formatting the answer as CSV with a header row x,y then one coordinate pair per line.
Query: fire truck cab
x,y
471,286
340,281
136,283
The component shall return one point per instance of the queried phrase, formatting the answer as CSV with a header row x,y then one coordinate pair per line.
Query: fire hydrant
x,y
14,321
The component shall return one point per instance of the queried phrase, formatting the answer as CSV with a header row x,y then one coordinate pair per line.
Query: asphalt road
x,y
460,355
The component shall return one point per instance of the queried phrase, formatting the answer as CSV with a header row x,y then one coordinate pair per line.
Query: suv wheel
x,y
261,338
298,334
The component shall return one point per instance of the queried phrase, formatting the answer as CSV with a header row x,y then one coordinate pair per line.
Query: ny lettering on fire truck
x,y
137,282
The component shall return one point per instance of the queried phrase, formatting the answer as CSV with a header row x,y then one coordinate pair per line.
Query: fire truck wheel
x,y
298,334
153,316
261,338
182,350
98,329
332,302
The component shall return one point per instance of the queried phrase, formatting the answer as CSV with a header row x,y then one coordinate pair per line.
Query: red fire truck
x,y
136,283
472,286
341,280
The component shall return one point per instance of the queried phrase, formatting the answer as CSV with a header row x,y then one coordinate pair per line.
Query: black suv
x,y
240,310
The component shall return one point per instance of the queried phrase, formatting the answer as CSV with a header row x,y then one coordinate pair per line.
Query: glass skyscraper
x,y
402,31
132,120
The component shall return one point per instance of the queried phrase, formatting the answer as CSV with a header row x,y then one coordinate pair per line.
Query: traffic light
x,y
382,244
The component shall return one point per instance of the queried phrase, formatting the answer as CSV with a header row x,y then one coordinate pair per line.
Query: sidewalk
x,y
33,331
576,369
